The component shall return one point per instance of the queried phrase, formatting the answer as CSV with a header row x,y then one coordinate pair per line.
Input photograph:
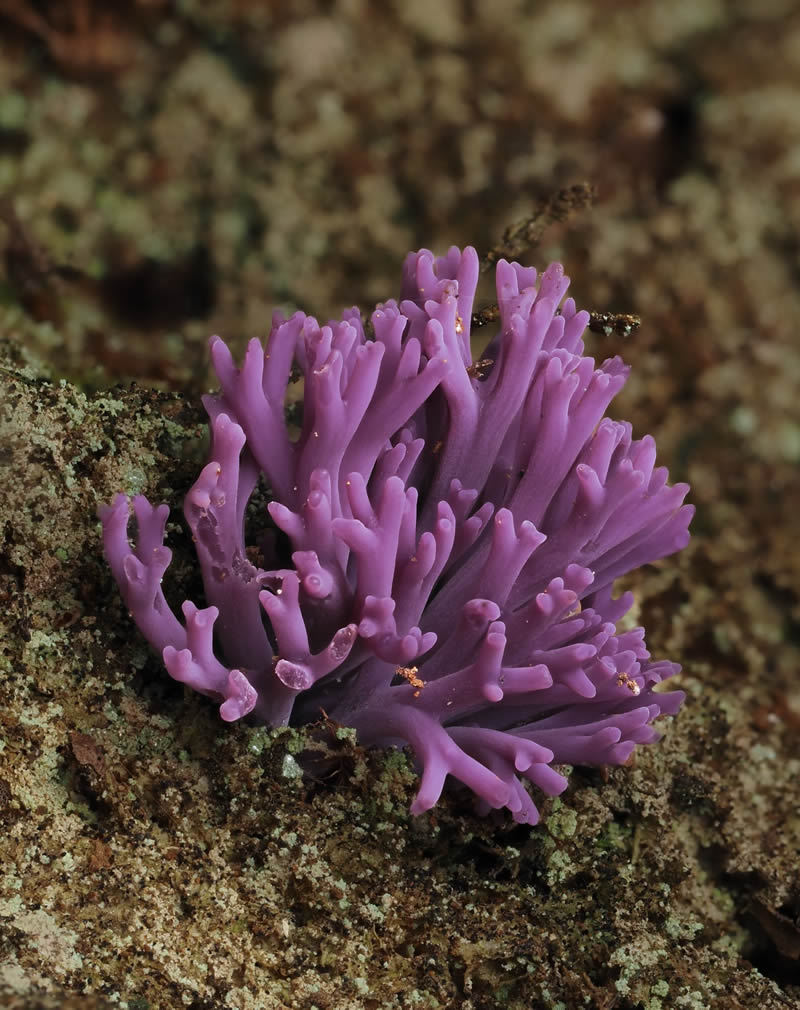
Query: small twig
x,y
488,314
524,234
476,369
623,324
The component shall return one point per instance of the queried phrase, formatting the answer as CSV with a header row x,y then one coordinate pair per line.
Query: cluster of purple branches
x,y
437,561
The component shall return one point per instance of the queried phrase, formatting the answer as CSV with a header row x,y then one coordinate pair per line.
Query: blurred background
x,y
194,163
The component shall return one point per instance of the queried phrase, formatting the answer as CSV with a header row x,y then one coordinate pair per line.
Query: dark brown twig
x,y
623,324
488,314
525,234
476,369
561,206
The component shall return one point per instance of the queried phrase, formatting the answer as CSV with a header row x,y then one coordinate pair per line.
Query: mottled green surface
x,y
153,857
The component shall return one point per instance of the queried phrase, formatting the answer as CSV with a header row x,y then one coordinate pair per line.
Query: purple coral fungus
x,y
454,532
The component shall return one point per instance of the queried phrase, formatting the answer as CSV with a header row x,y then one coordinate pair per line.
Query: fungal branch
x,y
450,531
